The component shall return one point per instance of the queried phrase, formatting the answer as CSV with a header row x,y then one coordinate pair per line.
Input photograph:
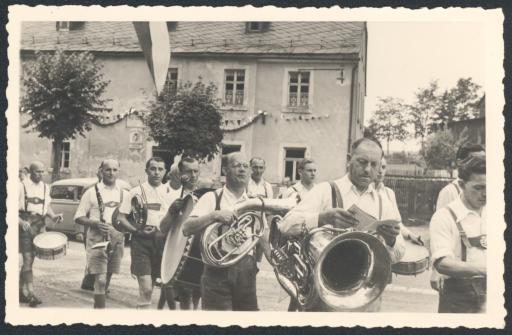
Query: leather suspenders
x,y
465,244
26,197
337,200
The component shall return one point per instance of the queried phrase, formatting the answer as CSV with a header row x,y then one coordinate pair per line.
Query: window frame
x,y
63,25
295,161
235,82
168,80
285,102
63,154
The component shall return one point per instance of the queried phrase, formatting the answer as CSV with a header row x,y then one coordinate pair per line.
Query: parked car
x,y
66,194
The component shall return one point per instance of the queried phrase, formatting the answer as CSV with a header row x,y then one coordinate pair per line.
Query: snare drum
x,y
181,259
415,261
50,245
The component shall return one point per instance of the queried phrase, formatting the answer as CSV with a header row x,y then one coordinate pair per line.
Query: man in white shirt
x,y
458,243
307,172
406,233
258,187
95,211
452,192
34,200
233,287
187,295
355,188
147,244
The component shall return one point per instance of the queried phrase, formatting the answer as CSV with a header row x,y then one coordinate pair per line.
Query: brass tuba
x,y
341,269
223,245
138,214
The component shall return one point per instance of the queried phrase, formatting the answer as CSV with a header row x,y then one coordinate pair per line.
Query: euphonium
x,y
341,268
223,245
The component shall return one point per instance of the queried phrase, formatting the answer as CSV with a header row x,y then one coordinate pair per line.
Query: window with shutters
x,y
234,86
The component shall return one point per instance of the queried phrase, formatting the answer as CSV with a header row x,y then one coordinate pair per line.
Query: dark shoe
x,y
88,282
33,301
23,298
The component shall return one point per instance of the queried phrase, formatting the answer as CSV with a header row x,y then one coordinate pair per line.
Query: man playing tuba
x,y
335,204
232,287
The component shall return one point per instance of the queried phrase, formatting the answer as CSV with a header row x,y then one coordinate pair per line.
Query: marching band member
x,y
188,168
34,201
147,247
459,245
95,212
233,287
452,192
258,187
379,182
307,173
319,207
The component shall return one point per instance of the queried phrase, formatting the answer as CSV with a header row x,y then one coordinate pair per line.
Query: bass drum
x,y
181,259
415,261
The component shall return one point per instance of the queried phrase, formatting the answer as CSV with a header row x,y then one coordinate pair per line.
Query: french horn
x,y
138,215
330,268
223,245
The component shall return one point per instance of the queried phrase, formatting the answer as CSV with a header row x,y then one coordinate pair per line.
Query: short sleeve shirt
x,y
158,199
445,239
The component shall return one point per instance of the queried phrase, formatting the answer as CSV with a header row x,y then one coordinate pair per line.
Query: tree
x,y
63,95
422,111
389,122
440,149
187,122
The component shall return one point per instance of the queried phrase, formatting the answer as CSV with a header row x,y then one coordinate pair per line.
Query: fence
x,y
416,196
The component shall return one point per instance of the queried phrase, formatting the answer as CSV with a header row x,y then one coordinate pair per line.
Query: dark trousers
x,y
231,288
462,296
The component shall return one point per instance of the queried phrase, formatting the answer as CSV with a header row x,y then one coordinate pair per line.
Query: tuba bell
x,y
223,245
341,269
138,215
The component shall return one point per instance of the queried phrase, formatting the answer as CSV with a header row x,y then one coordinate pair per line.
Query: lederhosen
x,y
217,275
337,202
464,295
36,220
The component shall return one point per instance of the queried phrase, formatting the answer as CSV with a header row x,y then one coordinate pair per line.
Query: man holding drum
x,y
104,244
458,242
147,244
357,191
188,169
34,201
233,287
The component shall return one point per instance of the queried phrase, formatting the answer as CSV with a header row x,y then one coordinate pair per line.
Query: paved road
x,y
58,285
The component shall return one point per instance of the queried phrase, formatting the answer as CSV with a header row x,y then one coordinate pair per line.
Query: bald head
x,y
109,171
36,171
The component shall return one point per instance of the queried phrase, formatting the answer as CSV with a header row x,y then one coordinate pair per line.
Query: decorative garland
x,y
235,125
104,121
303,117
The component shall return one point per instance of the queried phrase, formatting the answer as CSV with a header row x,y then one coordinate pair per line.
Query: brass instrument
x,y
343,269
138,215
223,245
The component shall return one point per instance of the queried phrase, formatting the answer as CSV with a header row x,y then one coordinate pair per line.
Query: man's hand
x,y
337,217
58,218
416,239
102,226
224,216
389,230
176,206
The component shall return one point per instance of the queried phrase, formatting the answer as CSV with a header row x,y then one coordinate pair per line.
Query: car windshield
x,y
66,192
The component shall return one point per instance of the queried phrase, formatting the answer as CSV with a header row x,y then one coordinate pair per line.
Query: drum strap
x,y
463,237
457,187
298,196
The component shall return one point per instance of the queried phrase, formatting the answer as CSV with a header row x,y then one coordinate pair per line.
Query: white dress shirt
x,y
319,199
445,239
448,194
298,190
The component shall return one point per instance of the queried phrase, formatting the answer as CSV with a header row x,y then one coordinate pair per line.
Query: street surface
x,y
57,284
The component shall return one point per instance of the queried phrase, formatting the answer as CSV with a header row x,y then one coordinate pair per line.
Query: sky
x,y
404,56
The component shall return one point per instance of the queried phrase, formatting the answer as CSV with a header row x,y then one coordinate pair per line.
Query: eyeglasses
x,y
240,165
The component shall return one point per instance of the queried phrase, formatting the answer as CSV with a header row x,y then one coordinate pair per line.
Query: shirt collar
x,y
262,181
461,211
103,186
346,186
232,196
